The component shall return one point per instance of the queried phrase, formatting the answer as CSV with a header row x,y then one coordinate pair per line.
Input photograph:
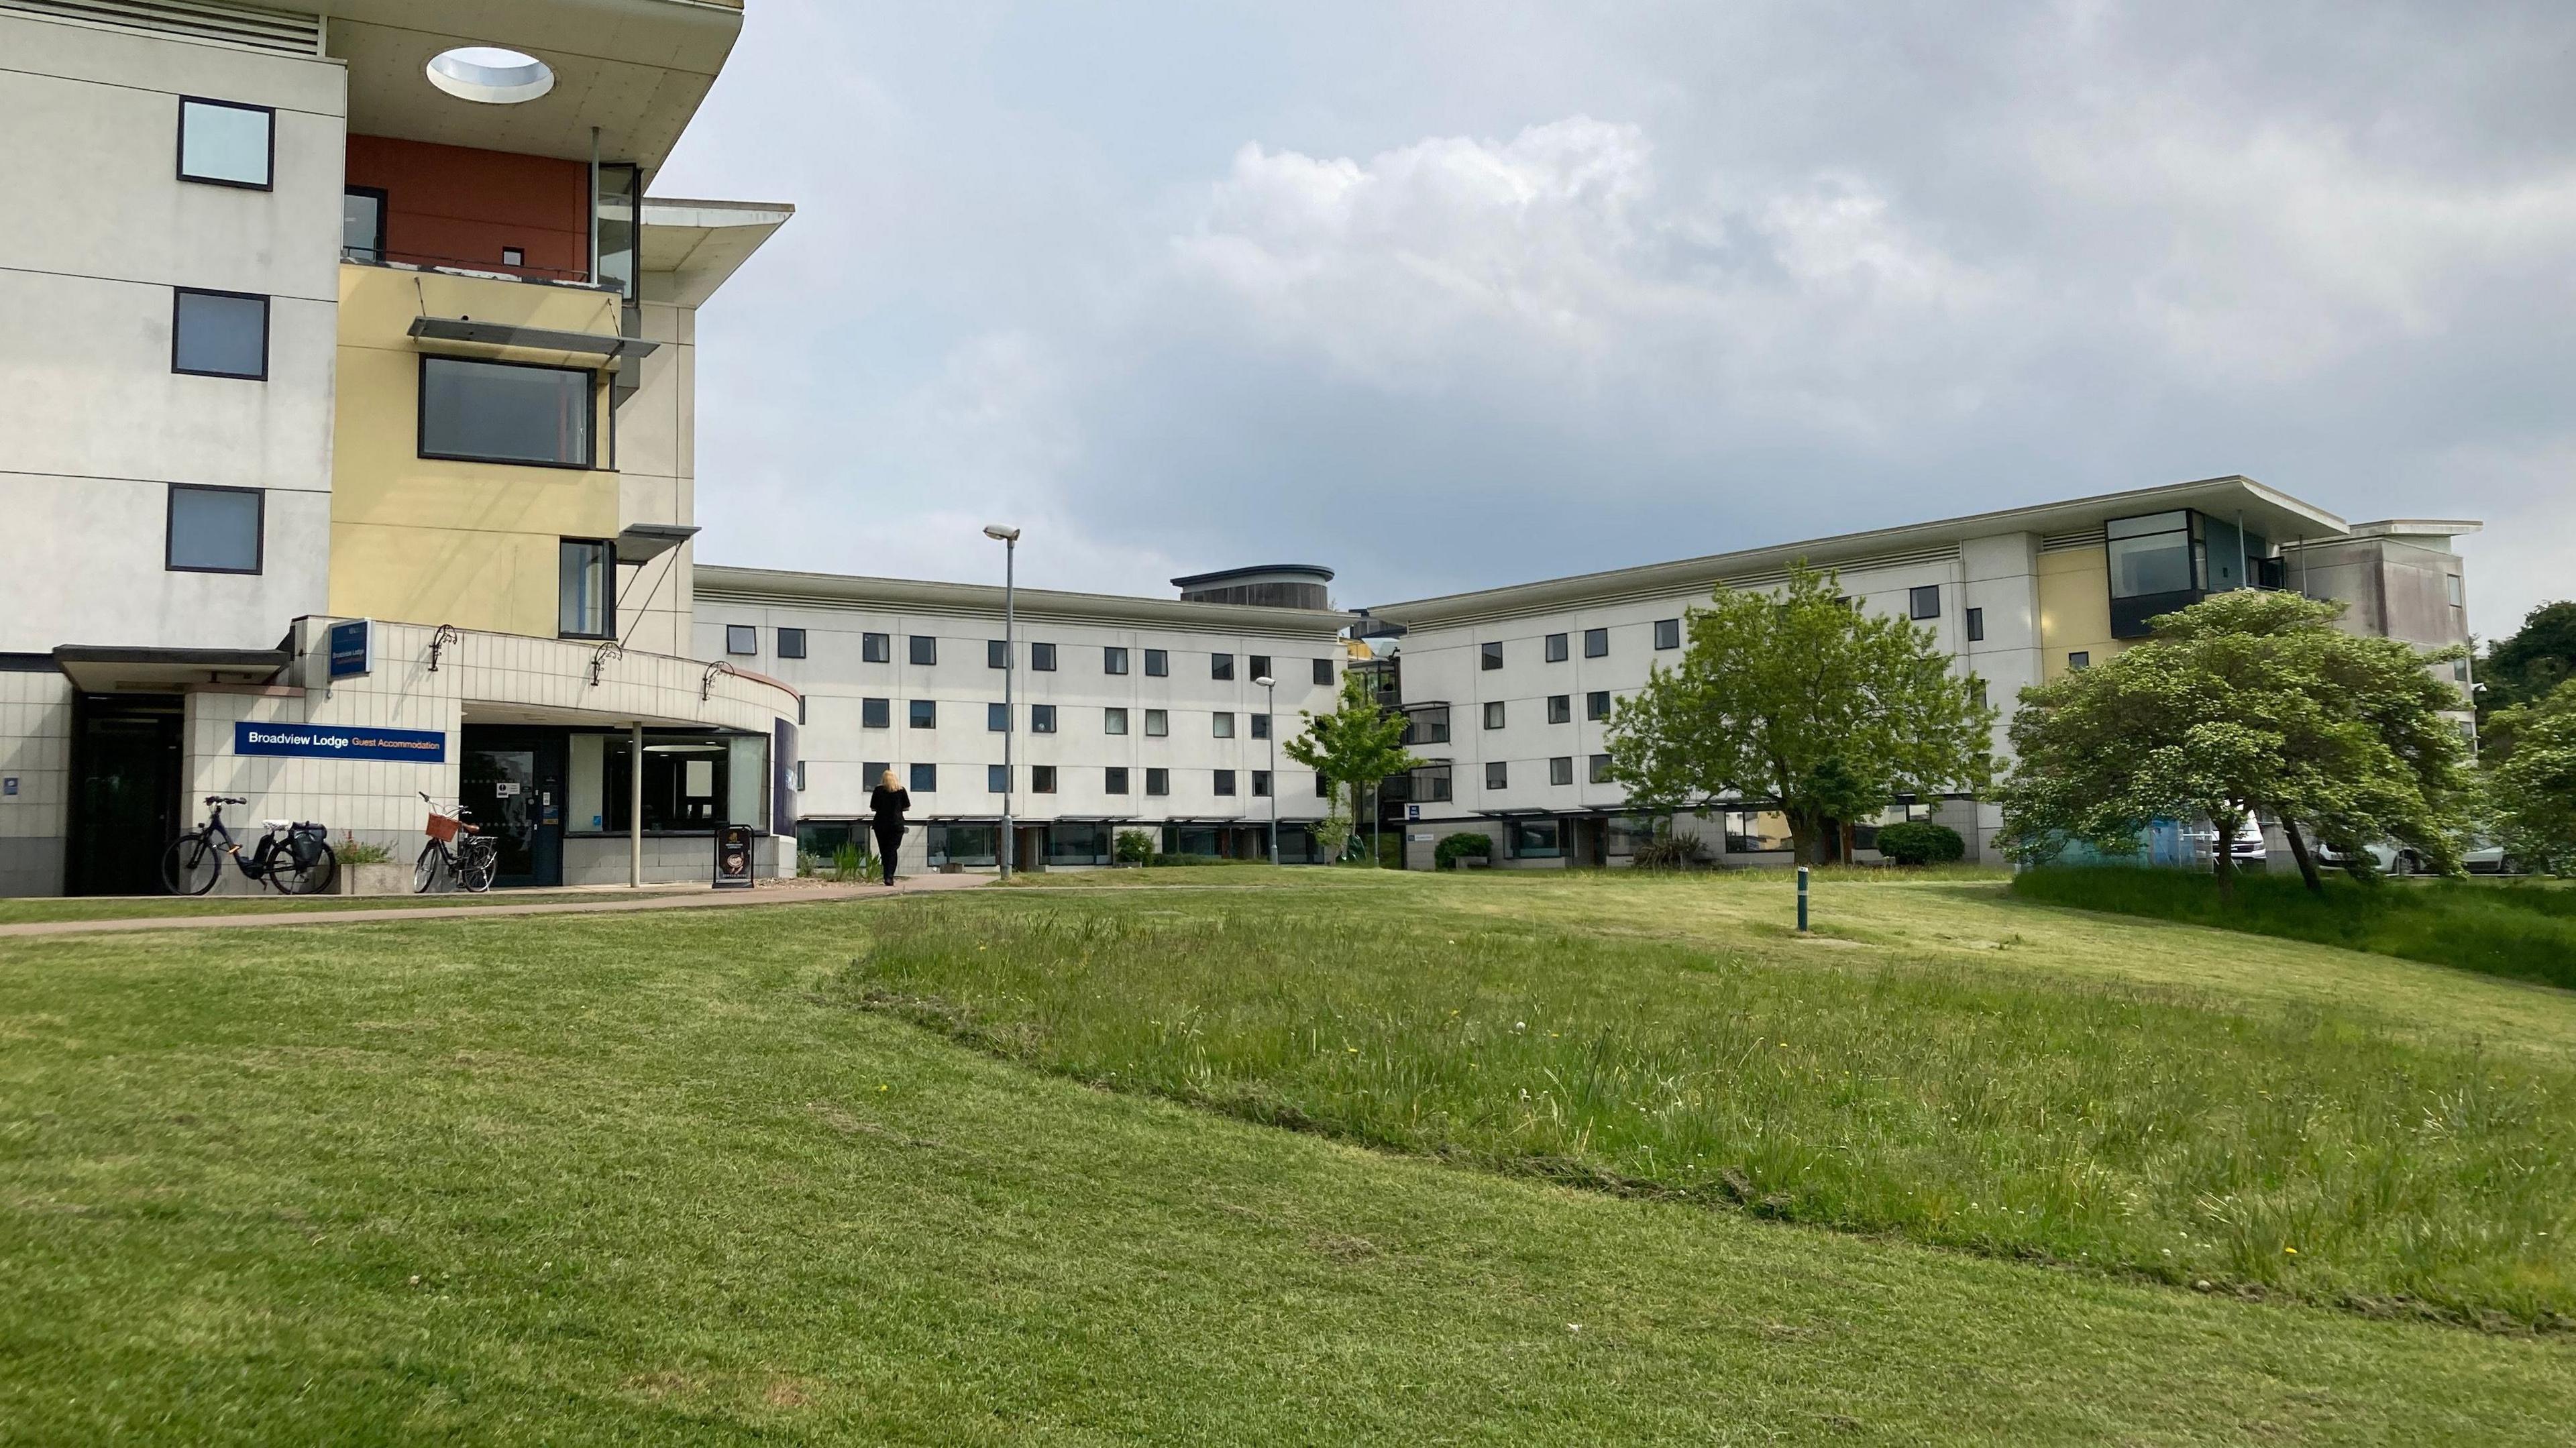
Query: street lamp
x,y
1270,726
1009,538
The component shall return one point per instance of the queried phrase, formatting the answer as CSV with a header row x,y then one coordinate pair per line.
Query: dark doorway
x,y
514,785
125,793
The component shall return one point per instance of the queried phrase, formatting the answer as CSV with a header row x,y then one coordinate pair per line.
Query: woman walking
x,y
888,803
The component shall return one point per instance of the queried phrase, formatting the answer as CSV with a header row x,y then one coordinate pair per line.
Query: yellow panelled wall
x,y
428,541
2074,608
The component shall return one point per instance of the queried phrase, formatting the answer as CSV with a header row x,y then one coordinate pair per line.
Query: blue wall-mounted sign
x,y
353,648
322,741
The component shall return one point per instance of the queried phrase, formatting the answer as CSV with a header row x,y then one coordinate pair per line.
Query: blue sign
x,y
353,648
322,741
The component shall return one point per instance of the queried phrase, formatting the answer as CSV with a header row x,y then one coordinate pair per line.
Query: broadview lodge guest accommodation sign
x,y
320,741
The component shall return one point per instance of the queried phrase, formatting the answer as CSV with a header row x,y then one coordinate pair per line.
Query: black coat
x,y
889,806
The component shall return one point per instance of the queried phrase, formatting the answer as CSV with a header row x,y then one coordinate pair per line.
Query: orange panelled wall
x,y
457,206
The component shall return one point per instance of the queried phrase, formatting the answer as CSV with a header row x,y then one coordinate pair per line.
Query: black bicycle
x,y
456,850
293,857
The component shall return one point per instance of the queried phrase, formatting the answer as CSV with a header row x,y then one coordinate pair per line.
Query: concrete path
x,y
706,899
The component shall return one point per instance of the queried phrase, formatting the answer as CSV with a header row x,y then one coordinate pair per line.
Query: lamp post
x,y
1009,538
1270,726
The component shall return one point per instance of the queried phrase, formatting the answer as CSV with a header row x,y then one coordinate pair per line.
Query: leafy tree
x,y
2534,660
2249,702
1802,698
2534,787
1355,746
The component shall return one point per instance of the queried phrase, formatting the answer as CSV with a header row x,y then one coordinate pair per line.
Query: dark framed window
x,y
1261,784
1560,708
1158,723
1158,781
1923,602
362,223
1113,780
1324,673
874,772
1489,656
924,713
1596,643
1498,775
997,654
1976,625
1042,658
791,643
1534,839
997,779
1261,667
2080,659
1113,721
1113,660
1041,779
966,845
1556,648
1560,770
922,648
226,143
925,778
876,714
215,530
1600,772
1225,781
1041,718
1424,724
1596,705
1429,784
1158,663
1220,666
1668,633
686,782
997,717
586,588
519,413
876,648
1494,714
1323,787
219,334
799,786
741,638
1221,725
1260,725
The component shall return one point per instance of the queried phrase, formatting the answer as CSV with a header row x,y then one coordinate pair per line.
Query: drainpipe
x,y
635,810
593,278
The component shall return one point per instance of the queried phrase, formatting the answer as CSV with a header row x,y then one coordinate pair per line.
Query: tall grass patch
x,y
2300,1152
2523,931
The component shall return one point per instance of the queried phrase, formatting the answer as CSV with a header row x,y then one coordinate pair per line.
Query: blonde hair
x,y
886,781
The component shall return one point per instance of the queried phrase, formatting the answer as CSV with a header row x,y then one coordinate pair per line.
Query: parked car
x,y
2484,857
2248,849
2390,857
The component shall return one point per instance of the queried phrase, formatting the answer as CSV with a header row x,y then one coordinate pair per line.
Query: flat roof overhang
x,y
465,331
102,669
644,542
699,244
481,713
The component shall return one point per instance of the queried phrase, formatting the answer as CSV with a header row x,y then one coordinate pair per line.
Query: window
x,y
1158,663
1755,832
1220,666
876,714
1113,660
2460,670
214,530
1324,673
791,643
1041,718
1223,725
1323,787
1556,649
1261,667
741,638
969,845
585,589
1489,656
1042,658
924,648
1560,770
1498,775
997,779
1261,784
2451,589
2159,553
687,781
1976,625
219,334
2080,659
1429,784
1924,602
505,412
1977,692
1113,780
225,144
997,654
925,778
1158,723
997,718
1600,772
1225,781
1494,714
874,772
1425,724
1668,633
1158,781
1113,721
1596,705
514,256
1078,842
1534,839
799,786
1560,708
1596,643
362,224
876,648
1260,725
925,713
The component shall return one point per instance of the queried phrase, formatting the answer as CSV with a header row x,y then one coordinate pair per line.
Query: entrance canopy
x,y
98,669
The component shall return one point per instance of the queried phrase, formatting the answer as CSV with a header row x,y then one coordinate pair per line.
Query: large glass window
x,y
226,144
1622,834
219,334
214,530
1755,832
614,217
1426,726
1429,784
362,224
2155,554
505,412
585,589
963,844
1078,842
1533,839
686,779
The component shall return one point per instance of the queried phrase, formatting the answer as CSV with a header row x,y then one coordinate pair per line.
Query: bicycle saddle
x,y
278,824
225,799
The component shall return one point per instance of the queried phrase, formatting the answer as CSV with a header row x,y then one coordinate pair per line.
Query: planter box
x,y
1477,862
384,879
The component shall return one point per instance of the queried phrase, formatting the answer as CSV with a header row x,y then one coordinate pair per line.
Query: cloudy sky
x,y
1450,295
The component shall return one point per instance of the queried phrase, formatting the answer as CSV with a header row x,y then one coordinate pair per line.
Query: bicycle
x,y
456,849
293,857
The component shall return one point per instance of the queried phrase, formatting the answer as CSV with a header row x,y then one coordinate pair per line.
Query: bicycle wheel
x,y
306,867
191,865
475,871
424,875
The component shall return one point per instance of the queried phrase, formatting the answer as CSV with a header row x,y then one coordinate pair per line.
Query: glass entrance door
x,y
514,784
125,794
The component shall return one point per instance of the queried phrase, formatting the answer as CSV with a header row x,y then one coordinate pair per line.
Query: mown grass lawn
x,y
38,910
651,1178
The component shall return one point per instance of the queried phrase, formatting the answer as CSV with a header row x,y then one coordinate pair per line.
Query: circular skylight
x,y
491,75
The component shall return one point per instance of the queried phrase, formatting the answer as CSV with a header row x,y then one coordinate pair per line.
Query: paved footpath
x,y
707,899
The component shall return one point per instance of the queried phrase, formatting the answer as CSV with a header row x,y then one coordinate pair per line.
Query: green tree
x,y
2243,704
1355,746
1799,696
2535,659
2534,787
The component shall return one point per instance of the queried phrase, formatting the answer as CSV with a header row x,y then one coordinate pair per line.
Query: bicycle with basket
x,y
456,850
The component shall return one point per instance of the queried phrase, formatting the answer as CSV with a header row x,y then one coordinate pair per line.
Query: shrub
x,y
351,851
1670,851
1390,851
1162,861
1133,846
1453,848
1915,842
849,862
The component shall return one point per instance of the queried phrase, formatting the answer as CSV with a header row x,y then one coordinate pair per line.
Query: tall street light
x,y
1270,726
1009,538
